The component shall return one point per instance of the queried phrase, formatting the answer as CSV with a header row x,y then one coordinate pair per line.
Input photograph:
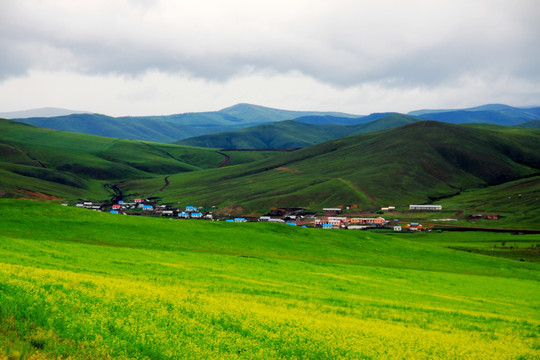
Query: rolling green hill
x,y
415,163
291,134
84,285
74,165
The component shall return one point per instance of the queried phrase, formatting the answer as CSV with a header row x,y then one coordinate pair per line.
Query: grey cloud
x,y
338,54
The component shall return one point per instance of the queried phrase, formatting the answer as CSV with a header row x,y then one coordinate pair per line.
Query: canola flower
x,y
93,316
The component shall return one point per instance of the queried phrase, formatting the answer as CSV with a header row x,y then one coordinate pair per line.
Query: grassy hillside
x,y
412,164
80,284
283,134
74,165
292,134
516,202
533,124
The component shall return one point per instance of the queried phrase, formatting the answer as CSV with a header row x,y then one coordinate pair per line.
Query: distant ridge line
x,y
275,149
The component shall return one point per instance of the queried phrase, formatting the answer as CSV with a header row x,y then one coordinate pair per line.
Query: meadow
x,y
85,285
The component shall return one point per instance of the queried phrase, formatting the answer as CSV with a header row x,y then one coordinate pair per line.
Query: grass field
x,y
87,285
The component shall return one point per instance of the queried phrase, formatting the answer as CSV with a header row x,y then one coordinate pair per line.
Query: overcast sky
x,y
143,57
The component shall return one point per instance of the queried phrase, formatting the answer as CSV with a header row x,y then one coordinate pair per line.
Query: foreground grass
x,y
88,285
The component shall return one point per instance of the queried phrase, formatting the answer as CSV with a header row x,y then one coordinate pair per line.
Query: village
x,y
330,218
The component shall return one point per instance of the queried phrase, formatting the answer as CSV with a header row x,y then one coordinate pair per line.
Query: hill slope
x,y
414,163
291,134
75,165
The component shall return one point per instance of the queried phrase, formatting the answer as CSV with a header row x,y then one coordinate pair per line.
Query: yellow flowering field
x,y
79,298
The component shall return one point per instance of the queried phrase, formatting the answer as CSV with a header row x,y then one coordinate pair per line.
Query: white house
x,y
425,207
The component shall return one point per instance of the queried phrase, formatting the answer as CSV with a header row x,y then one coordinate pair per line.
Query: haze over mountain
x,y
498,114
41,112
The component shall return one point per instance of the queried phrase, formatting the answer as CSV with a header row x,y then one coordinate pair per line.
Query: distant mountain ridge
x,y
498,114
171,128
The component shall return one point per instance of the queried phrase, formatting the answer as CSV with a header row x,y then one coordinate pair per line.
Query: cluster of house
x,y
292,216
343,222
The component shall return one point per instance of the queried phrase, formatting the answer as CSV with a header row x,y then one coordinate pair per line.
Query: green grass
x,y
80,284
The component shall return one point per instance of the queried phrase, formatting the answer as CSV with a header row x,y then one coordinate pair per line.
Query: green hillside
x,y
533,124
412,164
84,285
74,165
291,134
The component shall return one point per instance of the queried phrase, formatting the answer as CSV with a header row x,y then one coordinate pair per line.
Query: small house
x,y
331,211
327,226
397,228
191,209
290,223
414,226
491,216
167,212
147,208
357,227
239,220
116,206
425,207
183,215
138,201
196,215
113,212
